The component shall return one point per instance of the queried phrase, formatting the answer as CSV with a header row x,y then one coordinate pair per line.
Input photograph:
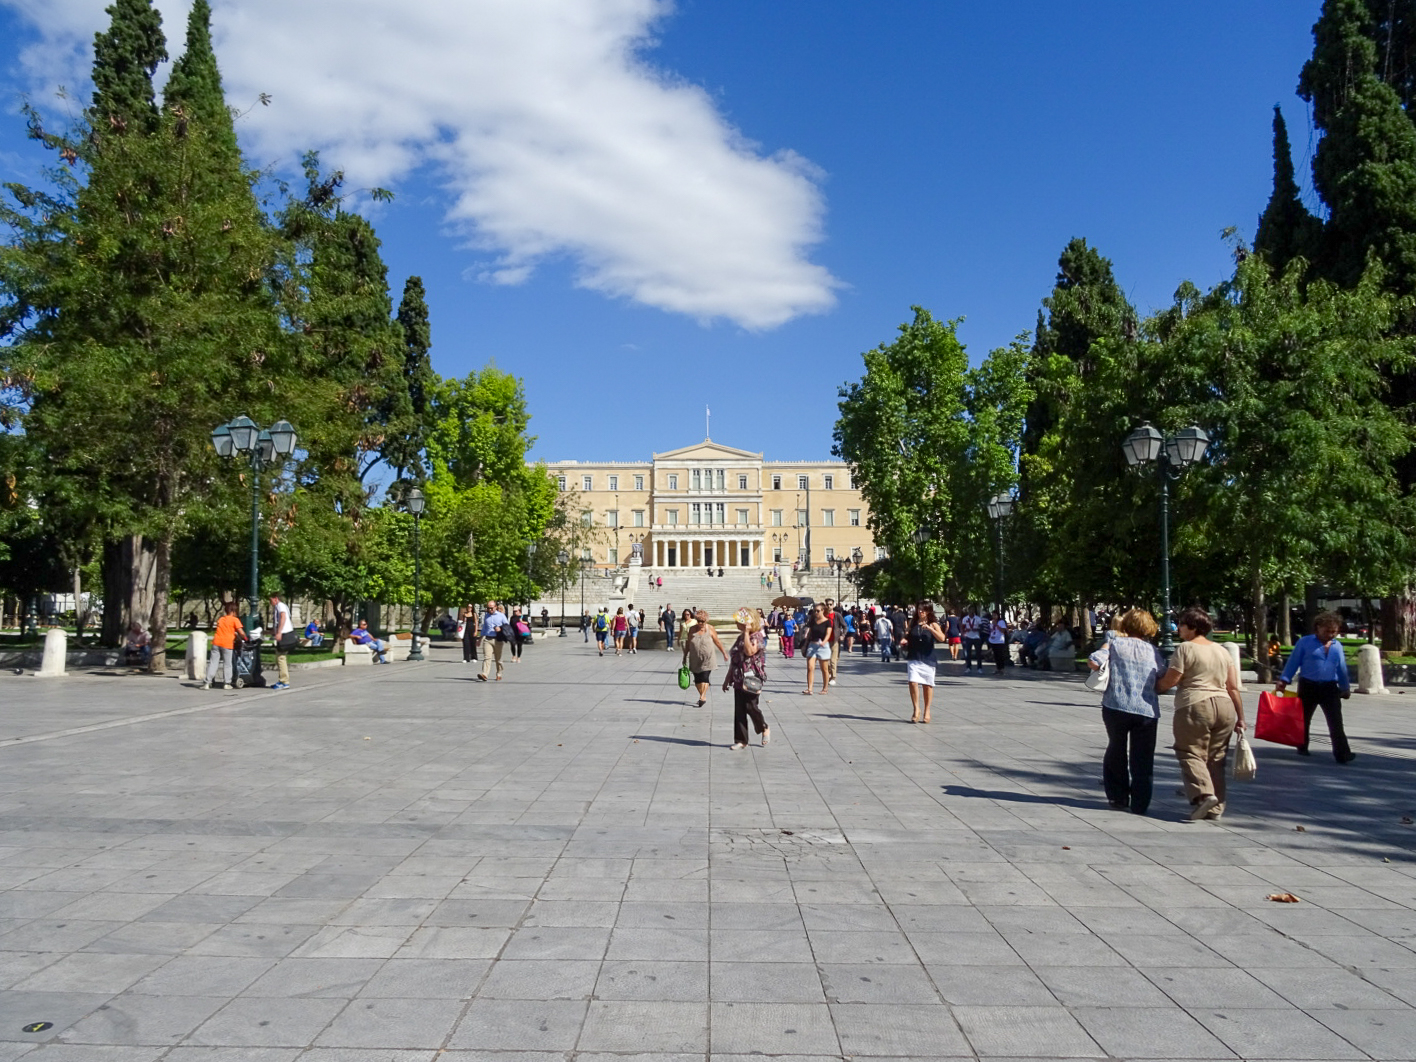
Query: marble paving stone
x,y
1383,1034
652,979
1014,1031
877,983
773,1028
638,1027
251,1022
988,985
554,942
540,979
1275,1034
388,1023
520,1025
894,1030
1139,1032
765,982
133,1019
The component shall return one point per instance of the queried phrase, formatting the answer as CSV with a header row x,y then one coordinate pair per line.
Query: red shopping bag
x,y
1280,718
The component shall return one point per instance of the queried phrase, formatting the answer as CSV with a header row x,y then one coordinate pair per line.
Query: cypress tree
x,y
1365,165
1286,229
125,57
194,87
408,428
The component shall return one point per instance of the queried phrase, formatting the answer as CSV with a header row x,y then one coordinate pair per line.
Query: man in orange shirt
x,y
223,647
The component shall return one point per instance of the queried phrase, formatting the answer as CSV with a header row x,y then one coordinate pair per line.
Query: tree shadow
x,y
672,740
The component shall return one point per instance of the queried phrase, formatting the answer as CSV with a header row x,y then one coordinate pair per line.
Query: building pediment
x,y
708,450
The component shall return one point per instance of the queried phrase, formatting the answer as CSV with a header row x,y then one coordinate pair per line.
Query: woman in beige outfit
x,y
1208,709
698,654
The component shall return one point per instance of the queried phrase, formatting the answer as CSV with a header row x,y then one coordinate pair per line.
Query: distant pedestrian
x,y
620,629
998,642
747,670
698,649
819,636
585,622
223,646
1130,710
954,634
666,621
602,629
971,626
885,635
469,633
1208,709
923,635
494,631
518,633
285,639
788,640
1323,682
545,618
631,634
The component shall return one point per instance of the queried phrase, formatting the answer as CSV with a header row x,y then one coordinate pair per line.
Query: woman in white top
x,y
998,642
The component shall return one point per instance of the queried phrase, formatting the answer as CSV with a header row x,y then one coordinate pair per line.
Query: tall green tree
x,y
125,56
409,406
1286,229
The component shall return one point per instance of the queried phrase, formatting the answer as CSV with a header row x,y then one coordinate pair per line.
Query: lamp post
x,y
1170,455
530,560
582,587
1000,507
563,558
415,503
261,448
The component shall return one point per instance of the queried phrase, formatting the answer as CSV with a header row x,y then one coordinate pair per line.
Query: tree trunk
x,y
1399,621
162,586
1285,619
127,586
1260,650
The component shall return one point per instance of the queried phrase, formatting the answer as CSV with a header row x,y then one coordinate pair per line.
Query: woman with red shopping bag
x,y
1321,666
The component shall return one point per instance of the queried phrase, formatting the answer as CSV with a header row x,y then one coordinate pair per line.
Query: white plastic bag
x,y
1245,766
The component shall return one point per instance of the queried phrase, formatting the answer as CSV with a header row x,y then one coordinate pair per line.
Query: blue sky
x,y
825,165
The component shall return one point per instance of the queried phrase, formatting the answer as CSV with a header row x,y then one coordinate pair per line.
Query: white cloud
x,y
554,135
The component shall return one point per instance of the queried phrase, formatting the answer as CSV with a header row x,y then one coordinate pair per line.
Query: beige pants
x,y
1202,731
494,655
282,667
835,656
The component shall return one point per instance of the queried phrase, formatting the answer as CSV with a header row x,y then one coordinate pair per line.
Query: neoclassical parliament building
x,y
712,506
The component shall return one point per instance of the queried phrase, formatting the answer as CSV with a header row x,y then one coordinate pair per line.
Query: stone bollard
x,y
56,646
196,655
1233,648
1369,670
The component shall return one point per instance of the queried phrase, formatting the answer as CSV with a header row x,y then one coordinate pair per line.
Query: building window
x,y
614,556
880,553
830,553
638,482
721,514
742,483
586,555
828,517
614,483
696,479
612,518
673,481
776,554
560,483
586,483
671,516
801,518
695,513
776,482
722,479
776,517
587,519
803,483
638,517
830,482
742,517
855,517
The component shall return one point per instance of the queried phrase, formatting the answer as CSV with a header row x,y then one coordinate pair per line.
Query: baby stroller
x,y
246,664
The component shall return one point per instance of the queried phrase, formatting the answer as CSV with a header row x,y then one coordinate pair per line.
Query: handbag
x,y
1280,719
1245,766
1099,679
685,678
751,682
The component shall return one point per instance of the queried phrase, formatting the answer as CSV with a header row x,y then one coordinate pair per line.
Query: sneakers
x,y
833,682
766,736
1204,807
228,686
280,686
736,746
205,686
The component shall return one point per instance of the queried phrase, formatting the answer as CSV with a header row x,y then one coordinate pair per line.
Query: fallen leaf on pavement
x,y
1282,897
1301,829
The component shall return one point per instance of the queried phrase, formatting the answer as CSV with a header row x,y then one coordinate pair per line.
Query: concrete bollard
x,y
1369,670
56,647
1233,648
196,655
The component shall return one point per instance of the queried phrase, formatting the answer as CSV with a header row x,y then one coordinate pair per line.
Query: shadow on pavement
x,y
862,718
672,740
1018,797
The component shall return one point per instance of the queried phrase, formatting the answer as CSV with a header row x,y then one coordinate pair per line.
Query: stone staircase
x,y
682,589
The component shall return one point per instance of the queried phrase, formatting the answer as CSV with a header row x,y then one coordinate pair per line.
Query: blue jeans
x,y
973,653
885,650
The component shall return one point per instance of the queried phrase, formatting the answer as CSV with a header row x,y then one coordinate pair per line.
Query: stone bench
x,y
356,655
399,646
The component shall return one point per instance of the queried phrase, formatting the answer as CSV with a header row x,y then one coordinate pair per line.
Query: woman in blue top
x,y
788,639
1321,666
848,623
1130,710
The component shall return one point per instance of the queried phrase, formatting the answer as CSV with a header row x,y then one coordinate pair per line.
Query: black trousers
x,y
1000,655
469,641
516,644
1328,697
1129,787
745,707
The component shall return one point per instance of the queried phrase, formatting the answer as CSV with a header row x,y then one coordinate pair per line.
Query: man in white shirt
x,y
284,639
973,641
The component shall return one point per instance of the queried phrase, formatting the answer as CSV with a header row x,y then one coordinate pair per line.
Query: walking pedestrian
x,y
1208,709
223,646
1323,682
885,635
788,625
698,649
971,634
747,671
621,627
285,639
899,623
602,629
1130,710
469,633
819,635
585,622
666,621
998,643
920,668
494,630
545,618
834,616
631,635
954,633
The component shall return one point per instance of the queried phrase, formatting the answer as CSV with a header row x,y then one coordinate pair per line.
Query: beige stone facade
x,y
713,506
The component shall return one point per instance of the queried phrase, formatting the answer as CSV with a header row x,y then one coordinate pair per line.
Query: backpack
x,y
600,623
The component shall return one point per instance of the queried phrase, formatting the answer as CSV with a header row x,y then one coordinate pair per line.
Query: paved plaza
x,y
401,864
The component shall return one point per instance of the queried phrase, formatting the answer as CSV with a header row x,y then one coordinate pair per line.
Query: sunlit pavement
x,y
402,863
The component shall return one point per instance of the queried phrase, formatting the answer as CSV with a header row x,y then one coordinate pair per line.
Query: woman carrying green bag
x,y
698,655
